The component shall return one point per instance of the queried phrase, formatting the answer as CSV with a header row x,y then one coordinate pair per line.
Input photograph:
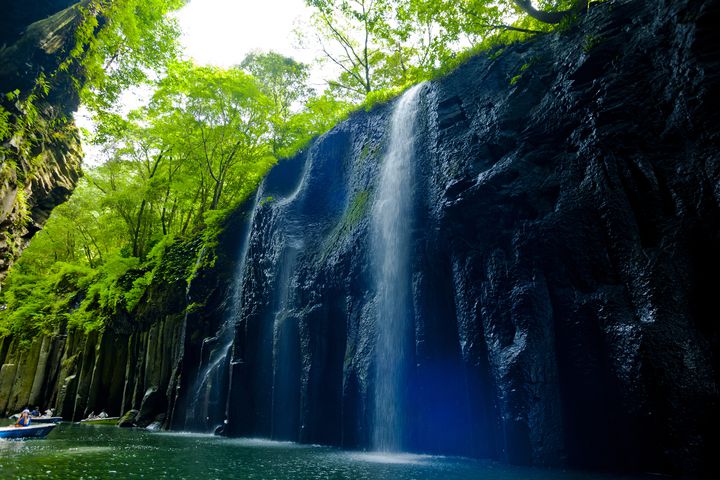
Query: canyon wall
x,y
564,240
564,244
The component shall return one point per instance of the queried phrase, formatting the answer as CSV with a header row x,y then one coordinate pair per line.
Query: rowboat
x,y
33,431
101,421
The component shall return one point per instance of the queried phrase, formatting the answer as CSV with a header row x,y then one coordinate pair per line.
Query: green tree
x,y
385,44
349,35
222,118
382,44
285,83
135,38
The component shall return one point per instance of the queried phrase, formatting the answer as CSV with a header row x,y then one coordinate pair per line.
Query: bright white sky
x,y
222,32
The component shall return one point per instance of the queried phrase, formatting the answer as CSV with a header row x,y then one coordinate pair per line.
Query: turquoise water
x,y
106,452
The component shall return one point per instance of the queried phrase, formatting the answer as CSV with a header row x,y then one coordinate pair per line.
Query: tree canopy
x,y
382,44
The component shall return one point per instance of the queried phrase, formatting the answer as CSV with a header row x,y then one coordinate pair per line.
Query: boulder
x,y
128,420
153,402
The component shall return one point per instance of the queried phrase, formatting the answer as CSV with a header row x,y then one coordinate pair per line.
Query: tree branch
x,y
551,17
344,42
341,65
500,26
512,29
334,83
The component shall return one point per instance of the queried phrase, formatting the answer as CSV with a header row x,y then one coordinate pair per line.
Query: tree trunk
x,y
217,192
136,235
186,223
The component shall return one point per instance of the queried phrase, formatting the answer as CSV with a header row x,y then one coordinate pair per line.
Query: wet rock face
x,y
18,15
565,244
26,203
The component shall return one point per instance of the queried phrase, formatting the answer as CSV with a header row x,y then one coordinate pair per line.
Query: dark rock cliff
x,y
40,164
565,248
18,15
564,258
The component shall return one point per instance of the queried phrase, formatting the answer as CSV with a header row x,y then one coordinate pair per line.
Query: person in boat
x,y
35,412
49,412
24,420
103,414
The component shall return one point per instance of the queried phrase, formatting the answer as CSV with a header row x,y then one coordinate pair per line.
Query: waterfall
x,y
207,402
391,222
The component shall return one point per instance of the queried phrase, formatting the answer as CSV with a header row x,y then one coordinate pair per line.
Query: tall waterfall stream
x,y
391,221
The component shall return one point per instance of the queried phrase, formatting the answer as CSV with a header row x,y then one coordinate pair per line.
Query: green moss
x,y
194,307
590,42
86,299
496,54
215,222
22,208
524,67
173,260
354,213
382,96
357,209
369,150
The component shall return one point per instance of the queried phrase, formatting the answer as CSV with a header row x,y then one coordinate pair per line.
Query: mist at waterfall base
x,y
80,451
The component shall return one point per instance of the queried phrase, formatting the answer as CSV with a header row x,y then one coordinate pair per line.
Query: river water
x,y
107,452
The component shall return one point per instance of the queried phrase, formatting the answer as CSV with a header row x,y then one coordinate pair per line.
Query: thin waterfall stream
x,y
391,220
208,397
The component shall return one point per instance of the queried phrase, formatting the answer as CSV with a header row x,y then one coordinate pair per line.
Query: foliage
x,y
38,302
176,168
115,44
73,296
386,45
5,126
285,83
136,37
219,118
376,44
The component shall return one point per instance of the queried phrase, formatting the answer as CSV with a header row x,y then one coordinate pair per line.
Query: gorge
x,y
515,261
